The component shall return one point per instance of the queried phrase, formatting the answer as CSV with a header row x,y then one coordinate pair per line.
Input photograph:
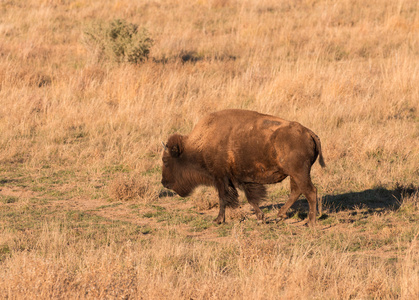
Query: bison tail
x,y
321,160
319,149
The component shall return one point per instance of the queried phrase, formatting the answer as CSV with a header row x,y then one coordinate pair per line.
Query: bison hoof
x,y
260,217
282,217
279,219
310,225
219,221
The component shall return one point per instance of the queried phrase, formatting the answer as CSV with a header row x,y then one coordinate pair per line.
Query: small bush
x,y
119,41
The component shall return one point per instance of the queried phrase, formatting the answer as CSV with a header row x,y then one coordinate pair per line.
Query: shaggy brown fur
x,y
243,149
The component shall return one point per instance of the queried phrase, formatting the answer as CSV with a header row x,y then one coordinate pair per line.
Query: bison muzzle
x,y
243,149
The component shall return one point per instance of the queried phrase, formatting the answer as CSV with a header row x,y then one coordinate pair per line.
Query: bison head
x,y
174,166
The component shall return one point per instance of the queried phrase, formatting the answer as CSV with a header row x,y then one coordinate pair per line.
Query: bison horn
x,y
164,146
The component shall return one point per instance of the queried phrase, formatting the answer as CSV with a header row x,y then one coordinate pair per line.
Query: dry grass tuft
x,y
239,214
133,187
205,199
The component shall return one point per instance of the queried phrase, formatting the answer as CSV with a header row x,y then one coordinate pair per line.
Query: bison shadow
x,y
376,200
186,56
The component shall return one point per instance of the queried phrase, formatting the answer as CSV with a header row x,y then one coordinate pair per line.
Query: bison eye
x,y
165,162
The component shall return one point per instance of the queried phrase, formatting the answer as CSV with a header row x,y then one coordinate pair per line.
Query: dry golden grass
x,y
60,266
77,132
134,187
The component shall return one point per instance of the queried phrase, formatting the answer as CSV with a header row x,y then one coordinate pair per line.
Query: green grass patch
x,y
8,199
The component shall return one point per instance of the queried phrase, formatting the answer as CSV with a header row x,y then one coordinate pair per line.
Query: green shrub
x,y
119,41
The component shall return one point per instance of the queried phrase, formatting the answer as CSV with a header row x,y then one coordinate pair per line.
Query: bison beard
x,y
243,149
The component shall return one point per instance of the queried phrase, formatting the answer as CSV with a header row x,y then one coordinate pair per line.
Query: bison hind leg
x,y
294,195
301,185
255,193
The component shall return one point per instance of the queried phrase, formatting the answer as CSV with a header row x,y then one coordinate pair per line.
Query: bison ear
x,y
175,145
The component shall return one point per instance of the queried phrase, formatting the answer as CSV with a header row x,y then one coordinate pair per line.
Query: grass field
x,y
82,211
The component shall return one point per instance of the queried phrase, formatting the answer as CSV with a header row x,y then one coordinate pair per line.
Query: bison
x,y
243,149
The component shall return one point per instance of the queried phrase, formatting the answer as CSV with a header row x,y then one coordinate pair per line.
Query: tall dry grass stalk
x,y
347,69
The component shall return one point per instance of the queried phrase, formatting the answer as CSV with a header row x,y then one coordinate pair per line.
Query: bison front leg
x,y
228,197
255,193
221,218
